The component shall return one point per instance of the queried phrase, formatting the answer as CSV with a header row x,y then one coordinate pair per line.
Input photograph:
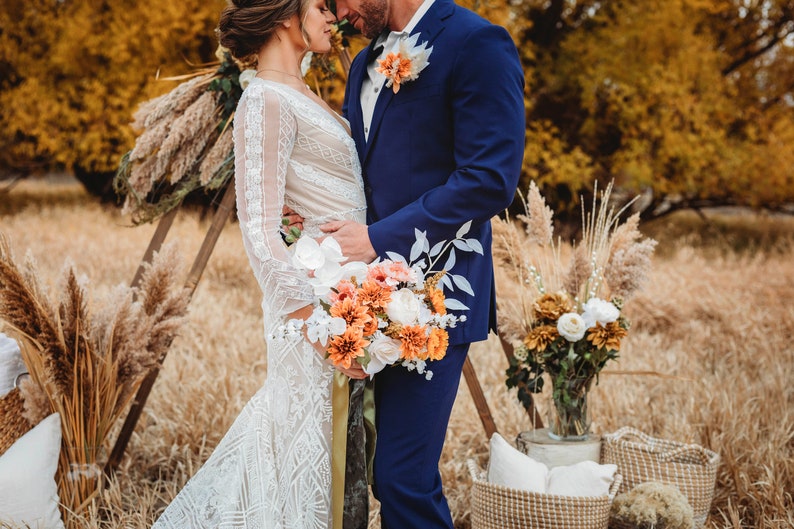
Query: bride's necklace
x,y
282,73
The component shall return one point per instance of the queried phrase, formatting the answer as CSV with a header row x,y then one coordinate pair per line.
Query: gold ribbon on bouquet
x,y
340,399
341,406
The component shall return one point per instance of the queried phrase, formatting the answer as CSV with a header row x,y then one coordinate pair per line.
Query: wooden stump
x,y
539,446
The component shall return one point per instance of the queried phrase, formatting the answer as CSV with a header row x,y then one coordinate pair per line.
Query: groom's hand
x,y
353,238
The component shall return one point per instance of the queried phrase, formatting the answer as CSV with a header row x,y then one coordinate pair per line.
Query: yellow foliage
x,y
77,71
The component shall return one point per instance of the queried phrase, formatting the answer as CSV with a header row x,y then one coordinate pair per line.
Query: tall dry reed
x,y
87,364
715,321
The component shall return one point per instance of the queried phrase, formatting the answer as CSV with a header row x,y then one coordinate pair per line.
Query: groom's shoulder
x,y
464,21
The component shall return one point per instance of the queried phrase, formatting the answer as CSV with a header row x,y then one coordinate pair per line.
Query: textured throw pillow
x,y
586,478
28,493
11,363
512,468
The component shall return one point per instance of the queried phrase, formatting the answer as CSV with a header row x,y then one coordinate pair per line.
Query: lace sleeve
x,y
264,135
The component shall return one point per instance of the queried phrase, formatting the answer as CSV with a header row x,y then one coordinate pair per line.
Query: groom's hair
x,y
246,25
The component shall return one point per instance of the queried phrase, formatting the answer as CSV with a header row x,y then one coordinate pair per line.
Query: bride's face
x,y
316,26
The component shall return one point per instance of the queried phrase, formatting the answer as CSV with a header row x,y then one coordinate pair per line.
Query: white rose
x,y
246,76
403,308
383,351
571,326
596,310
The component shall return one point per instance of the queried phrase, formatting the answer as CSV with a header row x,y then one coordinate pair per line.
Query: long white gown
x,y
272,469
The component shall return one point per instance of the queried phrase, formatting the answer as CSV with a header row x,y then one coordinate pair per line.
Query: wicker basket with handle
x,y
497,507
13,424
640,458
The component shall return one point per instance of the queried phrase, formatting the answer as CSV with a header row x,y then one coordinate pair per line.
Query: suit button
x,y
368,191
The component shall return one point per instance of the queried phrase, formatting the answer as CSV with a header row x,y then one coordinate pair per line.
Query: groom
x,y
445,149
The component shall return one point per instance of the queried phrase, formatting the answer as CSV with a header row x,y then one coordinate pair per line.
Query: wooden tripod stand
x,y
220,218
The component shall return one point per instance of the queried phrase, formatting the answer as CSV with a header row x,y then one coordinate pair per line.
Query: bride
x,y
272,469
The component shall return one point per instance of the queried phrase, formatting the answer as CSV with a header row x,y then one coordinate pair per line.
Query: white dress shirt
x,y
374,81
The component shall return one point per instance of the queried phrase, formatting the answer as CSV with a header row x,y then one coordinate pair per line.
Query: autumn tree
x,y
73,71
686,101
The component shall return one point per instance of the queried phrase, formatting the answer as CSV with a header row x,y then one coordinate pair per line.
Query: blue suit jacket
x,y
446,149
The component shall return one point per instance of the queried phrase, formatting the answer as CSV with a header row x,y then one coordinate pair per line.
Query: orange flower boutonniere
x,y
405,63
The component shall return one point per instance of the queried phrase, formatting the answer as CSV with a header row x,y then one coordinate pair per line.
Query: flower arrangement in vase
x,y
566,321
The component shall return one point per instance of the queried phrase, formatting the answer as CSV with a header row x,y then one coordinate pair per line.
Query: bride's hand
x,y
294,219
354,371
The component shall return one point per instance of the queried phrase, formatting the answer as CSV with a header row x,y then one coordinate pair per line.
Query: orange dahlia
x,y
374,295
349,310
345,348
413,342
607,336
540,337
550,307
437,344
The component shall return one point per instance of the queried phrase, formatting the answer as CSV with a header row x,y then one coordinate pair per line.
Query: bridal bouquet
x,y
566,320
391,311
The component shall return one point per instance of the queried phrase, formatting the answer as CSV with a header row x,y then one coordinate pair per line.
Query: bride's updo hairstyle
x,y
245,25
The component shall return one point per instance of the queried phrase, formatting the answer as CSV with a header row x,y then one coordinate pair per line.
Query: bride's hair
x,y
246,25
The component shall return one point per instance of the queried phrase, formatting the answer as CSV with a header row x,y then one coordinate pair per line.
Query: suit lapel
x,y
429,27
358,70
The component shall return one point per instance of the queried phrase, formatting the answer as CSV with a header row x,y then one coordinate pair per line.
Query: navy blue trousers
x,y
411,419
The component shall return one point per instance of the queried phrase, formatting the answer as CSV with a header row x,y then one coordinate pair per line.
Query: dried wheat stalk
x,y
86,363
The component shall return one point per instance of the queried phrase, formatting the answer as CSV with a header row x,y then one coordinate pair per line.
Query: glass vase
x,y
569,417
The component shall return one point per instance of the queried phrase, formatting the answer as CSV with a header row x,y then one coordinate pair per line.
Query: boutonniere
x,y
405,64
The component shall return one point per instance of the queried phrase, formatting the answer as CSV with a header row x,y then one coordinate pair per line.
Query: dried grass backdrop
x,y
720,321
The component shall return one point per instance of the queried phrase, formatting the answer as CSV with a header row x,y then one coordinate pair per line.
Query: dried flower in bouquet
x,y
86,362
565,318
388,312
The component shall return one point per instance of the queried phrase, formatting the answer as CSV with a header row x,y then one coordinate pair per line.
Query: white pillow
x,y
586,478
28,493
512,468
11,363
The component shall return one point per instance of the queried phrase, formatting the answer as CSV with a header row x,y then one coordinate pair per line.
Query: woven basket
x,y
497,507
12,424
641,458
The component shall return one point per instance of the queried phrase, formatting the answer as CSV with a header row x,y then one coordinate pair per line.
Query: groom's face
x,y
370,17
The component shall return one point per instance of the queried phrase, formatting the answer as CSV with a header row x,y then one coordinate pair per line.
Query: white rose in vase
x,y
597,310
571,326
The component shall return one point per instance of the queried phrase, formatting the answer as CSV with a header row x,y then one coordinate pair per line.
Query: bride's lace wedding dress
x,y
272,469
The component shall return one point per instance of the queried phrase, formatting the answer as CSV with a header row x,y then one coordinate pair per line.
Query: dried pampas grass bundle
x,y
180,131
87,361
611,260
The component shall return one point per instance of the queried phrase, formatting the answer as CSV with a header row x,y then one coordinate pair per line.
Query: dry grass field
x,y
716,319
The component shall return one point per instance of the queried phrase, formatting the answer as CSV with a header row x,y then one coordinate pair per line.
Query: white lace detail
x,y
310,175
272,469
